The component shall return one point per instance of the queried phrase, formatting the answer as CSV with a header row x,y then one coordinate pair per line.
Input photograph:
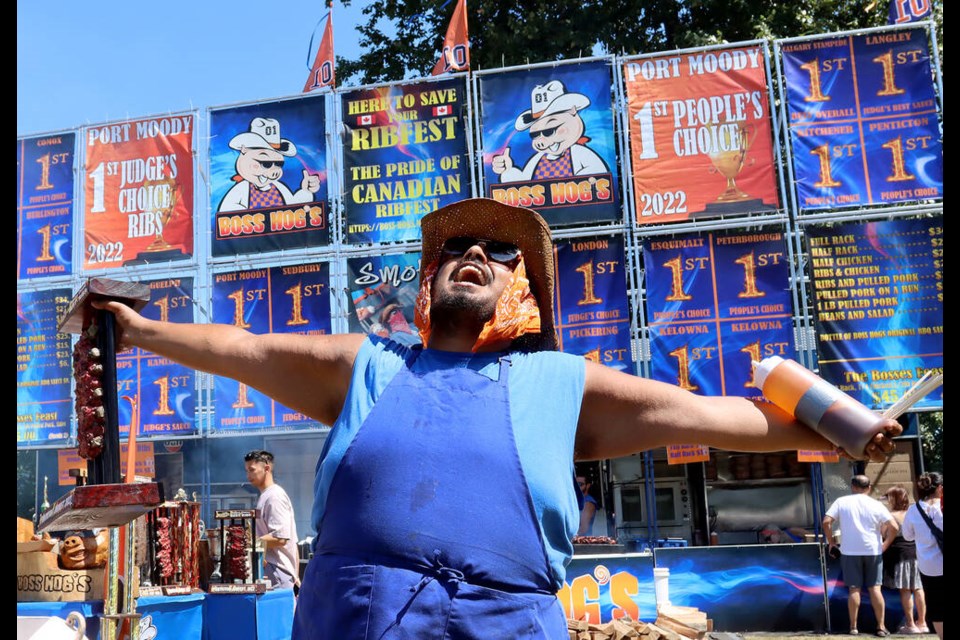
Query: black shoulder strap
x,y
937,532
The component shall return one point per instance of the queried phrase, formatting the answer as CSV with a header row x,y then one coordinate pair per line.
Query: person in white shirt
x,y
929,553
276,526
861,520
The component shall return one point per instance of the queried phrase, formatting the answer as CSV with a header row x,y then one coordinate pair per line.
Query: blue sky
x,y
81,63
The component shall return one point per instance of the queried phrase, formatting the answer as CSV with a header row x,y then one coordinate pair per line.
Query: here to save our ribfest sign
x,y
138,194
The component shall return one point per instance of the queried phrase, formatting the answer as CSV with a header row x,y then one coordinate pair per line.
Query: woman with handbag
x,y
924,525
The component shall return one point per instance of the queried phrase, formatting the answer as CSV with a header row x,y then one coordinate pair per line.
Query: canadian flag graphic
x,y
367,119
443,110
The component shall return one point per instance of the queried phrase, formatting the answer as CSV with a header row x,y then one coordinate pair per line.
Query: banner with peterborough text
x,y
593,313
715,303
701,141
164,392
283,299
548,140
44,368
405,154
268,176
138,192
879,306
45,188
383,291
863,119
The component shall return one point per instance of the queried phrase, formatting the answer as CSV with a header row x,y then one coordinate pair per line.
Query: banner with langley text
x,y
138,192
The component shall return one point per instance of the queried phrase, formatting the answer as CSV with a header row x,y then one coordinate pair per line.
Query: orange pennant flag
x,y
456,44
322,73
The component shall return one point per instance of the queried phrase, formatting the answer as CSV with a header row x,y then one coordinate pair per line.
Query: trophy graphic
x,y
729,156
165,195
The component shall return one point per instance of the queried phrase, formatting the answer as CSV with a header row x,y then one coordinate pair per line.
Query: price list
x,y
879,306
43,368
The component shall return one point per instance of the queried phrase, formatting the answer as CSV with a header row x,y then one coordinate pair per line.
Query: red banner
x,y
456,45
138,194
323,74
700,135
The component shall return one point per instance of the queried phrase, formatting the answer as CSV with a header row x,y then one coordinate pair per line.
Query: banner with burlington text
x,y
548,141
863,120
700,133
405,154
268,176
45,207
879,306
164,392
282,299
44,368
138,192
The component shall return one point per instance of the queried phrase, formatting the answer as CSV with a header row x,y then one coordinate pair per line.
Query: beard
x,y
451,311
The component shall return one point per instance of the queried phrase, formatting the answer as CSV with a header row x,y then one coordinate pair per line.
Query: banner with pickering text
x,y
268,176
405,154
282,299
715,303
701,141
45,188
165,392
548,141
44,368
383,292
863,120
592,311
138,192
879,306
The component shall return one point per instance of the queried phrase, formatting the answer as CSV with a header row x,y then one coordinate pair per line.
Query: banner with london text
x,y
592,310
405,153
281,299
548,140
44,368
863,119
45,206
700,134
165,393
268,176
138,192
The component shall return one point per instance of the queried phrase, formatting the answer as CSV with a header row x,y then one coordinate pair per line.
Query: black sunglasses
x,y
267,164
543,132
502,252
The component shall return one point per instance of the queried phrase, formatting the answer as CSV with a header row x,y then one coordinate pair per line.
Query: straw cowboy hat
x,y
264,134
493,220
547,99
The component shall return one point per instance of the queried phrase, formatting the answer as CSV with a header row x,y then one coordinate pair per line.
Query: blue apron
x,y
429,530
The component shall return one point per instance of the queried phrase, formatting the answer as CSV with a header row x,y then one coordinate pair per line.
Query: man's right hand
x,y
129,322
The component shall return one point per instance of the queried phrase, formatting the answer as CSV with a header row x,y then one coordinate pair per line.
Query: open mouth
x,y
470,273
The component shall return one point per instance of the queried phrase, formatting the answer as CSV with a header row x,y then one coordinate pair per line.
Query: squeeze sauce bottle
x,y
818,404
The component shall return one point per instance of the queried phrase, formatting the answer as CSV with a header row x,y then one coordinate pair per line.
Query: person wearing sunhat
x,y
262,153
444,500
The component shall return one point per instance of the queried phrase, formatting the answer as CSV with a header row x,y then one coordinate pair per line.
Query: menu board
x,y
879,306
44,365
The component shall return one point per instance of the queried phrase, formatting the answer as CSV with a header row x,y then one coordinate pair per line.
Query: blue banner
x,y
165,392
268,177
602,588
592,314
879,306
548,141
44,368
383,290
405,154
45,175
714,304
291,299
863,120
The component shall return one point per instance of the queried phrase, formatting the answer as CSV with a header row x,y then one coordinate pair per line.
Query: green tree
x,y
402,39
931,440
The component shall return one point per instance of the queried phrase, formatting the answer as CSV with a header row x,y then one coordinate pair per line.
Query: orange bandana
x,y
516,314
